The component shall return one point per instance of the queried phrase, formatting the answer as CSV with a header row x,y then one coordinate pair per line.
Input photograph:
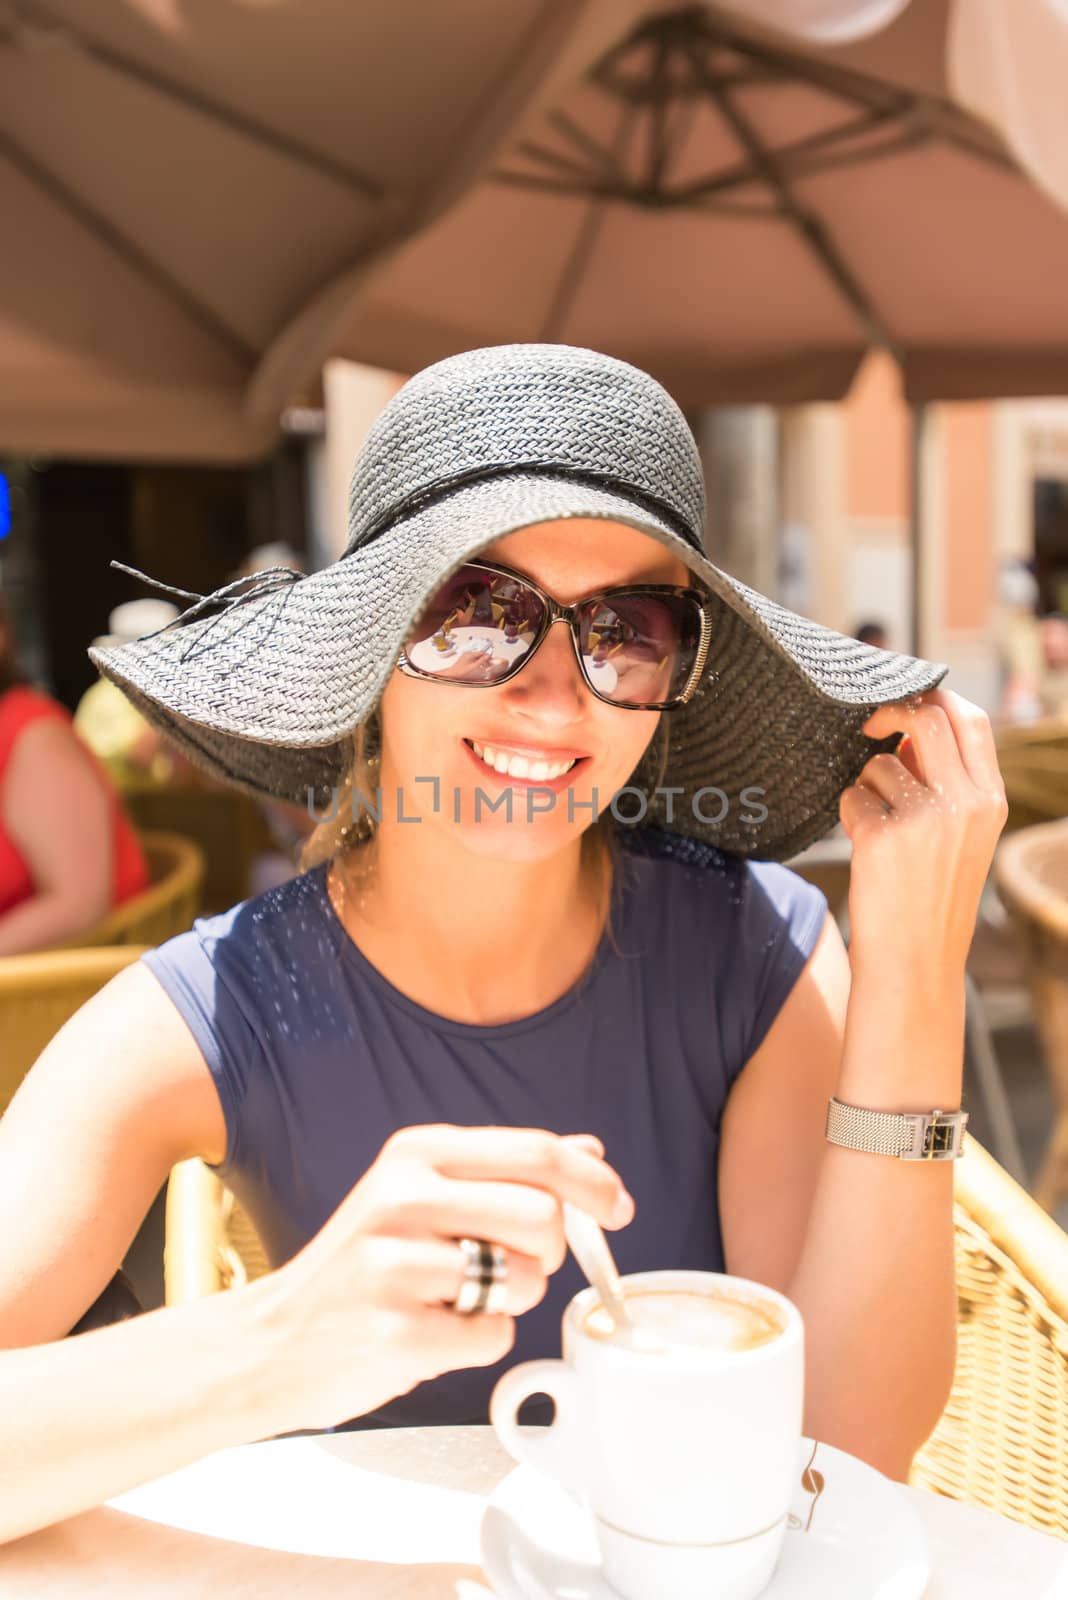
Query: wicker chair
x,y
826,864
1002,1441
210,1242
226,824
1031,871
167,907
1033,758
38,993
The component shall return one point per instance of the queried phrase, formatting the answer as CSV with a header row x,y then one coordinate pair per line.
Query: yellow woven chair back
x,y
226,825
1031,872
210,1241
37,995
1002,1441
1033,758
167,907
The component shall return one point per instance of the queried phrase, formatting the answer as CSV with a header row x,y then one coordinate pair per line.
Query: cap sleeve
x,y
193,971
778,919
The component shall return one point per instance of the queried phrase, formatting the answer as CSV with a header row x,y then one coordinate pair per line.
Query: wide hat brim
x,y
266,692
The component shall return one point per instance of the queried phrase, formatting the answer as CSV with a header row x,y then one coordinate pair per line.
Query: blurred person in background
x,y
1019,642
68,854
131,750
266,556
873,633
1053,689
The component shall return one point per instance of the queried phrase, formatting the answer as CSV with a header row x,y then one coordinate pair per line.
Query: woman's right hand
x,y
363,1308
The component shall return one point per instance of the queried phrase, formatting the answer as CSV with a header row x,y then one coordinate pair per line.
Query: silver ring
x,y
484,1285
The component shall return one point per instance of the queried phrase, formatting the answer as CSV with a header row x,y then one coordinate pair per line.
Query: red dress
x,y
19,707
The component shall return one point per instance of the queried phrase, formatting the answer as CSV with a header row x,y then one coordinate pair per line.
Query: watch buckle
x,y
936,1136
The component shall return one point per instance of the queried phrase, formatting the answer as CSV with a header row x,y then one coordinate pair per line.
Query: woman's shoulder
x,y
257,953
21,706
696,882
23,703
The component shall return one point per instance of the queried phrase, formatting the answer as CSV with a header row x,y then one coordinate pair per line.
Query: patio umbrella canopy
x,y
186,186
743,213
204,199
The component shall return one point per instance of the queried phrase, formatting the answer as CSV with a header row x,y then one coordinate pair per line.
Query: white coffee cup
x,y
683,1448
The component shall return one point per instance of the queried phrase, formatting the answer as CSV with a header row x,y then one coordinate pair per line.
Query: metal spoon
x,y
590,1249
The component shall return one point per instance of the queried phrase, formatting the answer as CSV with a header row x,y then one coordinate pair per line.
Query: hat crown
x,y
518,407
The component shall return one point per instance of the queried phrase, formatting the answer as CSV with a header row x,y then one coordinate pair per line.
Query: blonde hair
x,y
344,838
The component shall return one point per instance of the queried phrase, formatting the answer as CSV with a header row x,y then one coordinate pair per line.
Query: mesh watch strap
x,y
911,1136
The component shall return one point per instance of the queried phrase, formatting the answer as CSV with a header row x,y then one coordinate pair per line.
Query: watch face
x,y
938,1139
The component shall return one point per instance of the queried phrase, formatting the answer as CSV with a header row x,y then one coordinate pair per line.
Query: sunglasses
x,y
642,646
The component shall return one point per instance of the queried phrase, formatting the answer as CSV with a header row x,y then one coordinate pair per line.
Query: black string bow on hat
x,y
229,596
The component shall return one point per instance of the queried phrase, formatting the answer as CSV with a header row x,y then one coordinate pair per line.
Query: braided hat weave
x,y
263,682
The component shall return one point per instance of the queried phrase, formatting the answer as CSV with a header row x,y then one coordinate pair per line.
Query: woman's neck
x,y
471,937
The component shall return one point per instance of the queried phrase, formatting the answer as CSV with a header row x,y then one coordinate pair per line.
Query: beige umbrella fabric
x,y
743,215
186,187
204,199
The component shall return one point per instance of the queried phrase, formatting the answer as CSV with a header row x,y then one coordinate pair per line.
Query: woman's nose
x,y
551,682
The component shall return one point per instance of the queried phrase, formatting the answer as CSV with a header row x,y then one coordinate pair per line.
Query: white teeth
x,y
520,766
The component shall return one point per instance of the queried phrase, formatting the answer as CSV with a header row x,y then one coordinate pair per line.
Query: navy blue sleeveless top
x,y
318,1059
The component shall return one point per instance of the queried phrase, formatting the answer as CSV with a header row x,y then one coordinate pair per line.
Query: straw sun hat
x,y
263,682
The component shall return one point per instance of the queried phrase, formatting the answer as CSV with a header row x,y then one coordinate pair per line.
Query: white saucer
x,y
851,1532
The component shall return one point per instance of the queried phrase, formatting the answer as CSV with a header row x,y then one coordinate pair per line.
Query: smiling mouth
x,y
528,769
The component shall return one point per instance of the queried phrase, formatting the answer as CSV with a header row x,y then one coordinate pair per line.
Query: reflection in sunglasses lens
x,y
475,628
639,648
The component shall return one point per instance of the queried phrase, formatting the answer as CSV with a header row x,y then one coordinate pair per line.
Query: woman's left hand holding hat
x,y
924,823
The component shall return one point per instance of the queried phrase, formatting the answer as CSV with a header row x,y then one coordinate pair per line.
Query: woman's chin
x,y
519,840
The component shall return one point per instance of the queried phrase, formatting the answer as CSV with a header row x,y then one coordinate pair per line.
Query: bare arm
x,y
56,812
118,1097
862,1244
870,1253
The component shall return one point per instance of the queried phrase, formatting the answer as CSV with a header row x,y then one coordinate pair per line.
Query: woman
x,y
68,855
459,1018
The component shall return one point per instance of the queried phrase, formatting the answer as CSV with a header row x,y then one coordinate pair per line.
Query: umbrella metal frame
x,y
657,77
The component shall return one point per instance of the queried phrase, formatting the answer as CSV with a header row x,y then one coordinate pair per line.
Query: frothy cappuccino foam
x,y
712,1321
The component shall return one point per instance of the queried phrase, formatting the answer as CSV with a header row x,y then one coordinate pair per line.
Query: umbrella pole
x,y
918,412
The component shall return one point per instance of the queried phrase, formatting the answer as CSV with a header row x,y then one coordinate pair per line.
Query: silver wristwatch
x,y
911,1136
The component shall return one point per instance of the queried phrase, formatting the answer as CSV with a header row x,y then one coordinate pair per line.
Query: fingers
x,y
527,1220
585,1141
860,805
948,734
429,1272
456,1342
565,1167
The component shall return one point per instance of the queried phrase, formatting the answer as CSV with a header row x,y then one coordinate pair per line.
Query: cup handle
x,y
558,1449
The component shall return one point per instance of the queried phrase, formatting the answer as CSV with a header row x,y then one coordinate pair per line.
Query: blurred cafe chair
x,y
1002,1441
826,865
167,907
38,993
1031,872
1033,757
211,1243
225,824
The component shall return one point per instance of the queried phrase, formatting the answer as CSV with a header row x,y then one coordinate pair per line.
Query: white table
x,y
387,1514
